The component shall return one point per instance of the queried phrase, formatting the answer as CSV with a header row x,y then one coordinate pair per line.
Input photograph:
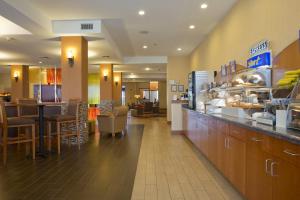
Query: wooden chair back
x,y
27,107
3,118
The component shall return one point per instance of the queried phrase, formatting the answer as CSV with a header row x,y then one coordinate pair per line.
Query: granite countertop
x,y
290,135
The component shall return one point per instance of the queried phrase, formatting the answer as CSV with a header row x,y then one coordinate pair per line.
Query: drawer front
x,y
286,150
238,132
258,142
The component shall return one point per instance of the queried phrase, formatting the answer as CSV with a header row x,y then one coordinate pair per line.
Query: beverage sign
x,y
262,46
260,60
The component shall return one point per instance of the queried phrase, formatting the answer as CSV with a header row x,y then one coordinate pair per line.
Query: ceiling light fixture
x,y
145,47
40,62
192,26
204,6
179,49
147,69
142,12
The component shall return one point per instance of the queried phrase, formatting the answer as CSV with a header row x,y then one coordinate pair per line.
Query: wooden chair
x,y
72,116
16,122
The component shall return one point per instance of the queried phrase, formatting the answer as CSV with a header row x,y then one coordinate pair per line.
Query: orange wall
x,y
20,88
117,89
74,78
106,87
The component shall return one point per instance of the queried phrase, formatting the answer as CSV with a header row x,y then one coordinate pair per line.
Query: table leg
x,y
41,131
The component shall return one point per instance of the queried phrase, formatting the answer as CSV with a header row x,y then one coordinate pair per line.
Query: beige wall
x,y
249,22
178,68
5,84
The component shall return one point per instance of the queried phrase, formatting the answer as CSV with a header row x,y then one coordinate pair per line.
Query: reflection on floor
x,y
169,167
100,170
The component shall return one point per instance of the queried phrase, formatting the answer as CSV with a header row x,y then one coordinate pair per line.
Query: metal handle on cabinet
x,y
267,166
290,153
272,168
228,143
256,140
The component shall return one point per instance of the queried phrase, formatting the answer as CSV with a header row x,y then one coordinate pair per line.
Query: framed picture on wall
x,y
180,88
173,88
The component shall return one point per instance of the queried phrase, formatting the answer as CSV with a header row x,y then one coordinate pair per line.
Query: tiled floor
x,y
169,167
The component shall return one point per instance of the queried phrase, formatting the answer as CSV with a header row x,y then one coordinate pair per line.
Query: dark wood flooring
x,y
103,169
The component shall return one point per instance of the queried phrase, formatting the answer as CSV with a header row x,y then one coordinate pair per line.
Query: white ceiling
x,y
167,22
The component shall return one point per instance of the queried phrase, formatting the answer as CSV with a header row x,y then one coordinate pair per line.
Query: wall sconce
x,y
70,57
16,76
105,74
117,79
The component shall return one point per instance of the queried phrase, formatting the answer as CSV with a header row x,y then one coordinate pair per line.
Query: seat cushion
x,y
19,121
60,118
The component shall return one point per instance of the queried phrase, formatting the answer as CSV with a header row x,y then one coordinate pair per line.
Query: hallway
x,y
169,167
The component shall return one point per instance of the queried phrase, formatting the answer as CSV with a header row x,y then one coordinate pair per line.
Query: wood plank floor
x,y
170,168
102,169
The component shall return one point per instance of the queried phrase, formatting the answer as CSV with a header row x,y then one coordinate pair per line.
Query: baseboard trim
x,y
177,132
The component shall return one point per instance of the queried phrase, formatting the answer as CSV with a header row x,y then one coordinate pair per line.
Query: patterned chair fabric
x,y
114,122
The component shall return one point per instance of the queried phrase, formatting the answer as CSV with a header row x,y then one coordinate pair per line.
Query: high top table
x,y
41,107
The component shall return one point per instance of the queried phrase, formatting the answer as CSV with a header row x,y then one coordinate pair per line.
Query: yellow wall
x,y
178,68
249,22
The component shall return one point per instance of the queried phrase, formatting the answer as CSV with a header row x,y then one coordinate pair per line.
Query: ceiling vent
x,y
87,26
76,26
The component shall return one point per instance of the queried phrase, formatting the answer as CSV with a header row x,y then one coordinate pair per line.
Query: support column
x,y
117,87
19,82
74,76
106,82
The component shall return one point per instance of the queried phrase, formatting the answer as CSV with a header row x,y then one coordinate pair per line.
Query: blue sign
x,y
259,60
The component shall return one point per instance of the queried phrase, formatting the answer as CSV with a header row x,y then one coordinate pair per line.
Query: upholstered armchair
x,y
113,122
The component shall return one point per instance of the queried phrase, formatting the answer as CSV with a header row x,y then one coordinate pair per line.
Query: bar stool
x,y
15,122
72,116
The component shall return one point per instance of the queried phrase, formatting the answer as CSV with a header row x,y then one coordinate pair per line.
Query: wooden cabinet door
x,y
237,163
184,120
222,155
212,140
286,180
204,137
258,176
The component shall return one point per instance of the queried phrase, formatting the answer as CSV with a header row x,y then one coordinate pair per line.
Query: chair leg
x,y
27,145
49,136
113,134
33,141
78,138
4,147
18,145
58,137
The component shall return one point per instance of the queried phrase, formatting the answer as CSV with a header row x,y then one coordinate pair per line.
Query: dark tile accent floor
x,y
103,169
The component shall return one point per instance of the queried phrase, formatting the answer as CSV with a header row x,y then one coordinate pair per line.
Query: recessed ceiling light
x,y
142,12
40,62
204,6
147,69
179,49
192,26
145,47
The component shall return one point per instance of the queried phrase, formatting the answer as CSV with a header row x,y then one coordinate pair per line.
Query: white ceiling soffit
x,y
144,76
25,15
10,28
145,60
65,27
